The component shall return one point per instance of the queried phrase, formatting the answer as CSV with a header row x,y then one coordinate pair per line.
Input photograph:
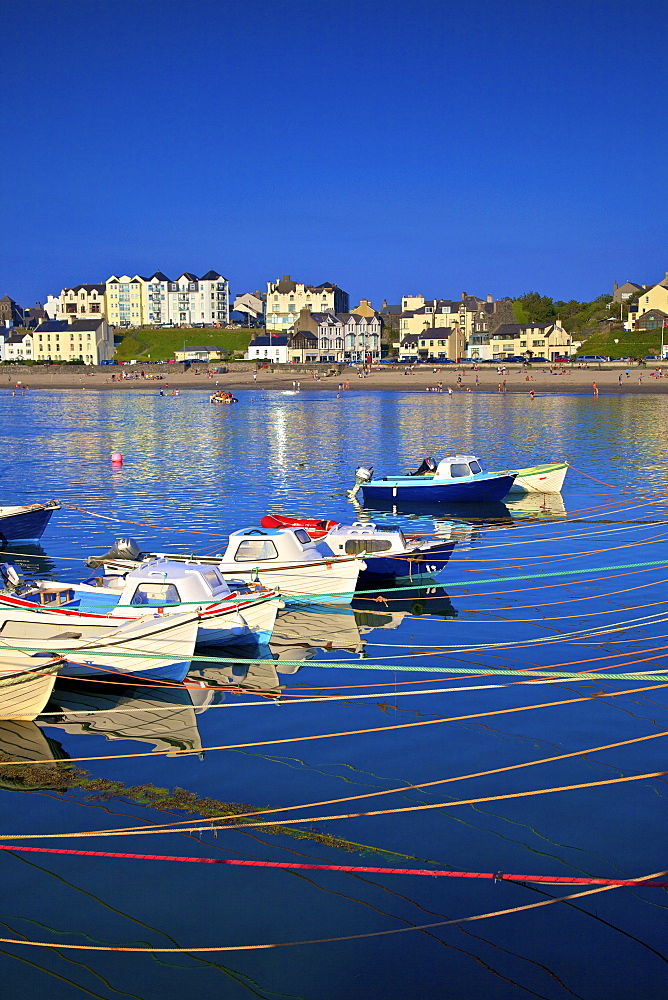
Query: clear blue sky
x,y
433,146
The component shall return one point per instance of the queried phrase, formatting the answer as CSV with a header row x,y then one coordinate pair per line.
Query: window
x,y
476,468
256,549
459,469
155,595
356,546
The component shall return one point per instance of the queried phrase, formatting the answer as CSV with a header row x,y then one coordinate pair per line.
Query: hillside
x,y
160,345
632,344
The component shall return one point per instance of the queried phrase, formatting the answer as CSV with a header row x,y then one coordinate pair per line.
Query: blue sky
x,y
433,146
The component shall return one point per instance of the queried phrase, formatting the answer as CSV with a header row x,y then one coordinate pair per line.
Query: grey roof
x,y
86,324
159,276
277,340
52,325
388,310
211,276
189,275
209,348
89,288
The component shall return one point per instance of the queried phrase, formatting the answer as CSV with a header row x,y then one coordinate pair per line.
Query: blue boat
x,y
457,479
27,523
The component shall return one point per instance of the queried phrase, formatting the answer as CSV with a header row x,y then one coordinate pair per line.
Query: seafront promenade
x,y
610,379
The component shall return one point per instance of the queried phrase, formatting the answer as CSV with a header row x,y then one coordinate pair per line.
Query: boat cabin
x,y
458,467
160,583
365,537
259,545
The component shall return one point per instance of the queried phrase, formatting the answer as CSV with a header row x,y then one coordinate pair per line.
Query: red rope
x,y
497,877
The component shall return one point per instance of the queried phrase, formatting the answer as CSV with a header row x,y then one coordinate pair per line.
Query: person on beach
x,y
532,394
594,388
619,379
449,391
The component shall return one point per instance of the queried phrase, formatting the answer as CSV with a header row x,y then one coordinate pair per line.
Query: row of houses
x,y
90,341
134,300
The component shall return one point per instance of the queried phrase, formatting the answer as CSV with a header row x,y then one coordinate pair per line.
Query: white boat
x,y
305,571
157,646
122,594
387,552
548,478
26,683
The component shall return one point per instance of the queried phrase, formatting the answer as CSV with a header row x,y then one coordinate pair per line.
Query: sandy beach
x,y
421,378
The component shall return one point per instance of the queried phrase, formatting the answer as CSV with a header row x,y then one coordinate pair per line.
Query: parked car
x,y
561,361
588,358
651,357
538,361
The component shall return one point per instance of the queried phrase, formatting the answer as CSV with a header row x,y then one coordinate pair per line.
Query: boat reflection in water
x,y
388,610
25,741
538,506
301,633
31,559
166,718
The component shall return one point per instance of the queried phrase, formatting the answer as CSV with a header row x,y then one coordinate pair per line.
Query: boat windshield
x,y
459,469
256,549
476,467
155,595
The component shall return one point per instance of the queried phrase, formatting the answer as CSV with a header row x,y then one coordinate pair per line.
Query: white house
x,y
273,347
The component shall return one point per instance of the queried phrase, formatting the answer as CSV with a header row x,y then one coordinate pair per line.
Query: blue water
x,y
192,473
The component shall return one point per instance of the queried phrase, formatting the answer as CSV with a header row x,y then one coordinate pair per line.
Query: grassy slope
x,y
632,344
161,344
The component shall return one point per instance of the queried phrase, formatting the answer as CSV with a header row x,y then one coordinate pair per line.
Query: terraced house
x,y
79,302
335,337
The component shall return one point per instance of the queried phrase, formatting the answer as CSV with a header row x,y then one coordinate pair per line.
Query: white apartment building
x,y
16,346
190,301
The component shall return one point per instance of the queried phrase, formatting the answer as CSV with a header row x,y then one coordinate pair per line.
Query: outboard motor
x,y
10,577
429,465
362,475
123,548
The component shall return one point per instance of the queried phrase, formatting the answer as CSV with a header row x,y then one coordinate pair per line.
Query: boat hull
x,y
25,524
426,489
540,479
157,647
25,686
410,566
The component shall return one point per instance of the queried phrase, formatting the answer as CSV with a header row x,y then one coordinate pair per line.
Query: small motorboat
x,y
457,479
27,523
387,552
157,646
286,559
547,478
159,586
26,683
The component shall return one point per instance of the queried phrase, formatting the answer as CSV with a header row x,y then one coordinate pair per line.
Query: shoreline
x,y
576,381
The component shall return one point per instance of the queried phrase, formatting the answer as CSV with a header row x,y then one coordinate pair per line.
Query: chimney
x,y
490,298
463,296
615,286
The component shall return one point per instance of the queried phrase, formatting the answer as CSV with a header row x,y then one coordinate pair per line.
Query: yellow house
x,y
125,300
651,298
89,340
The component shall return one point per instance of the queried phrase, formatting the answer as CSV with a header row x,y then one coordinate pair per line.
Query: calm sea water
x,y
192,473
